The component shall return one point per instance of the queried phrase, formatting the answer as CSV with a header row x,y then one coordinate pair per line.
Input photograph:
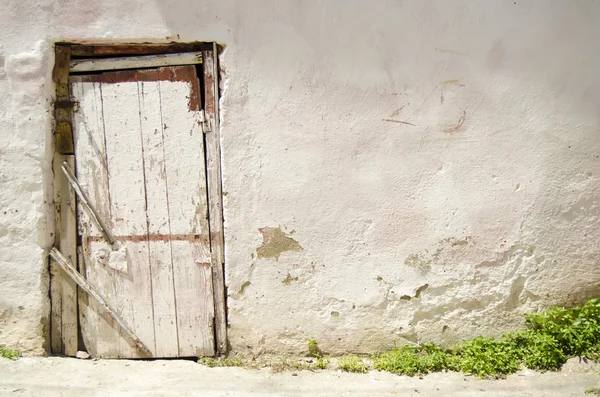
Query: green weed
x,y
549,340
486,357
593,390
313,348
576,330
9,353
322,363
411,360
213,362
352,364
315,351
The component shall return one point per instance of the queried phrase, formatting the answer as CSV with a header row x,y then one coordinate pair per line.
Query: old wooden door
x,y
139,152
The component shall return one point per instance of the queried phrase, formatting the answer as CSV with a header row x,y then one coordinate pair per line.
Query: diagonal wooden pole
x,y
91,211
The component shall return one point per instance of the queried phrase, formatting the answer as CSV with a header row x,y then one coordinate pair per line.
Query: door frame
x,y
65,335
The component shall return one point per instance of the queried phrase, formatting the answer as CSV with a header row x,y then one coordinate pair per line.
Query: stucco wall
x,y
392,170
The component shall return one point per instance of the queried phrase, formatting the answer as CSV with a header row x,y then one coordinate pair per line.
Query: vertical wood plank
x,y
68,246
62,114
213,167
185,176
126,185
63,291
98,331
157,213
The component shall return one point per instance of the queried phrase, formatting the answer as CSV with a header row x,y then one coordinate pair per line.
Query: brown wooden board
x,y
85,51
213,167
63,290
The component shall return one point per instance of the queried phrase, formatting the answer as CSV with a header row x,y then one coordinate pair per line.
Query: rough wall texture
x,y
393,170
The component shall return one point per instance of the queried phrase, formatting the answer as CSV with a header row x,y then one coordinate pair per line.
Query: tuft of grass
x,y
314,351
213,362
352,364
412,360
287,364
322,363
593,390
313,348
9,353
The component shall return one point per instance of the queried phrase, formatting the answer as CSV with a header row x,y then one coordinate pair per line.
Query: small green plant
x,y
593,390
315,351
550,339
405,360
9,353
539,351
322,362
213,362
313,348
577,330
486,357
287,364
352,364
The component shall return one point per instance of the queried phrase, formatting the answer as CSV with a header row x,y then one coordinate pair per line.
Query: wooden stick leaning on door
x,y
87,287
87,206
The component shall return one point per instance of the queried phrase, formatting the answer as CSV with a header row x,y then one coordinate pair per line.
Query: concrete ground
x,y
87,378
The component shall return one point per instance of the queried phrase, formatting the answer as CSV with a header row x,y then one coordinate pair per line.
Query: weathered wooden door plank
x,y
157,214
135,62
188,212
90,153
126,187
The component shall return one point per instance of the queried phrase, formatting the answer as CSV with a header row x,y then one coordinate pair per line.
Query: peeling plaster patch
x,y
420,290
288,279
275,242
422,261
243,287
418,293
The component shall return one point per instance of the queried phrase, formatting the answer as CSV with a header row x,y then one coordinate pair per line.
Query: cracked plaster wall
x,y
394,170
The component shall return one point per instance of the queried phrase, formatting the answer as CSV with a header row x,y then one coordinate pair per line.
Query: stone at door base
x,y
82,355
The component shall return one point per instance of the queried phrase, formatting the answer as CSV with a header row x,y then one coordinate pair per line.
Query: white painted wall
x,y
483,187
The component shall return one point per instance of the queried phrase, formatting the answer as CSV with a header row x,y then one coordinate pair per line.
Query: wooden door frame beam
x,y
215,195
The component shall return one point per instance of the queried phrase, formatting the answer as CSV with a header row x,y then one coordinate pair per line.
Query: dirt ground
x,y
87,378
